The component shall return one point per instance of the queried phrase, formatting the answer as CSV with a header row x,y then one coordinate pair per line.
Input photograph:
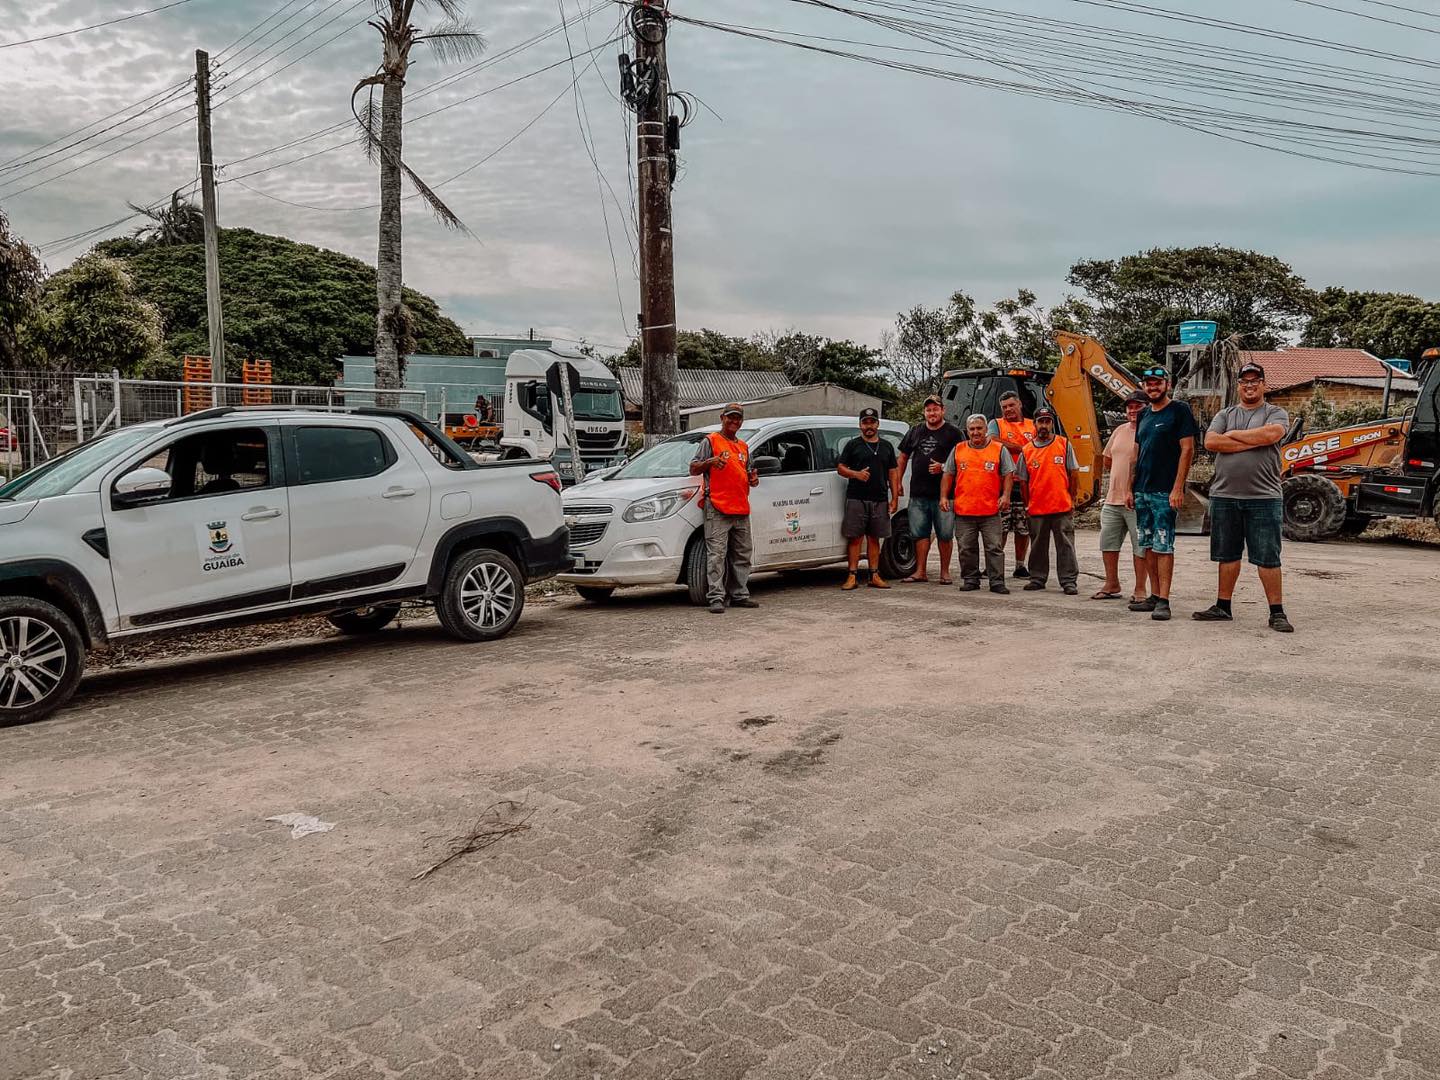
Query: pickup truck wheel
x,y
42,656
364,620
1313,506
483,595
697,588
897,556
596,594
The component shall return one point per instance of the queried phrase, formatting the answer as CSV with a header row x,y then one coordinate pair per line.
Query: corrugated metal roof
x,y
702,386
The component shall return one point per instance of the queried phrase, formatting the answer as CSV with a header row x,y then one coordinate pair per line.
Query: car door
x,y
359,506
787,508
834,439
218,542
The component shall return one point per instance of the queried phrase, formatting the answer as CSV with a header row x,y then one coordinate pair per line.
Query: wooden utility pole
x,y
660,410
212,237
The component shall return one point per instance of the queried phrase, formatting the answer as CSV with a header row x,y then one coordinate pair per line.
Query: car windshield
x,y
60,474
669,458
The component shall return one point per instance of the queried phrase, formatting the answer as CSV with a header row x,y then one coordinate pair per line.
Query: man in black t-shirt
x,y
872,494
1164,448
927,447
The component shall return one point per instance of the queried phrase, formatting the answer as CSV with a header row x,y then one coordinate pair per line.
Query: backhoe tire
x,y
1355,524
693,576
364,620
1314,508
42,656
596,594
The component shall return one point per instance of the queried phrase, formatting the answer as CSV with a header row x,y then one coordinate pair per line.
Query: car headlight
x,y
659,506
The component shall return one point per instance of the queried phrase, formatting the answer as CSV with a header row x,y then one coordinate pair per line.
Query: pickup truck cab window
x,y
214,463
324,455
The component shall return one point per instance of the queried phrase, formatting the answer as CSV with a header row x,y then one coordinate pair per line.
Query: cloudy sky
x,y
830,196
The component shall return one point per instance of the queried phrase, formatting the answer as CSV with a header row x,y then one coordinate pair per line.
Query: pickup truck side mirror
x,y
766,466
141,486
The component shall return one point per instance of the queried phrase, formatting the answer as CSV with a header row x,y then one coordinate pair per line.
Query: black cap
x,y
1250,366
1137,396
1044,411
869,414
934,399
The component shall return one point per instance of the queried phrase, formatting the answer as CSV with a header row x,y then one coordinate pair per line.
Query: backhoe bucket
x,y
1193,518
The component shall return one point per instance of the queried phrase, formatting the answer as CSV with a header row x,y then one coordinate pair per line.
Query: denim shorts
x,y
1155,522
1246,525
927,517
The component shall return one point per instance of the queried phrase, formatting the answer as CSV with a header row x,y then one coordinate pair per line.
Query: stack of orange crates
x,y
255,373
196,369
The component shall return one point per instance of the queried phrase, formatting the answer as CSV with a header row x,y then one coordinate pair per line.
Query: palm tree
x,y
453,39
179,223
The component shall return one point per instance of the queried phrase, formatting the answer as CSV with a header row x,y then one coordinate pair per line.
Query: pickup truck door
x,y
789,514
219,542
359,507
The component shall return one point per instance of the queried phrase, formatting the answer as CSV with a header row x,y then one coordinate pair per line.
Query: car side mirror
x,y
141,486
766,466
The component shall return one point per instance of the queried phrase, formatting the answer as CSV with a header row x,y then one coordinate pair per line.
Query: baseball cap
x,y
1155,373
934,399
732,410
1138,396
1251,367
1044,411
869,414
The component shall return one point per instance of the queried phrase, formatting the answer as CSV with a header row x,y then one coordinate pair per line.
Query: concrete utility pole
x,y
212,237
661,410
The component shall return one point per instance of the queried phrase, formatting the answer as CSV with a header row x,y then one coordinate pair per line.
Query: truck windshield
x,y
669,458
598,405
60,474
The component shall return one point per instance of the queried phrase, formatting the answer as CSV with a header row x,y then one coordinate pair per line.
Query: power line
x,y
164,96
93,26
227,50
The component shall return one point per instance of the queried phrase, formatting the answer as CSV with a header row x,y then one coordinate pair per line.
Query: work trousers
x,y
1062,528
728,549
973,533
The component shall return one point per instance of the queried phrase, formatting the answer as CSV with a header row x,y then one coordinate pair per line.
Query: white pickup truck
x,y
250,515
641,525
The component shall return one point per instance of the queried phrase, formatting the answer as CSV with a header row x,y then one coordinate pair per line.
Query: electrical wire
x,y
93,26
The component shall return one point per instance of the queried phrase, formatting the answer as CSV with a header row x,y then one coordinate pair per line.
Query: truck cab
x,y
1411,487
534,424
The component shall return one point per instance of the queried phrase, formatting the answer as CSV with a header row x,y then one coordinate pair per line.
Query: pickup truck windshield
x,y
60,474
669,458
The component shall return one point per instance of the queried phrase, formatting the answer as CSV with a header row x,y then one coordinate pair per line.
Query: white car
x,y
641,525
251,515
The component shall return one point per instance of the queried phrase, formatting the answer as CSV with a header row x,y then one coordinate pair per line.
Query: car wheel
x,y
42,656
1313,506
693,576
596,594
897,556
364,620
483,595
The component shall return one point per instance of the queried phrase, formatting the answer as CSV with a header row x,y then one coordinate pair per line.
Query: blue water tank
x,y
1400,365
1197,332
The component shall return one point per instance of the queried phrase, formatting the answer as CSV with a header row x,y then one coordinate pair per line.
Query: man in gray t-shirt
x,y
1246,508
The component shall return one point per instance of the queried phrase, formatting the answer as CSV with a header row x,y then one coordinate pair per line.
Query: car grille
x,y
587,532
587,509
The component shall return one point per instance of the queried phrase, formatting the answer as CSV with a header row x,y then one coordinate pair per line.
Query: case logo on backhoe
x,y
1114,382
1311,449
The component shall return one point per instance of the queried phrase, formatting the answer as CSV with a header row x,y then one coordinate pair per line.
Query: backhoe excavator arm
x,y
1084,361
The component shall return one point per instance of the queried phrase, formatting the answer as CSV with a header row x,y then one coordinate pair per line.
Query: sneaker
x,y
1070,590
1147,604
970,586
850,583
1162,611
1281,623
746,602
1002,590
1213,613
1034,586
877,582
1020,570
717,608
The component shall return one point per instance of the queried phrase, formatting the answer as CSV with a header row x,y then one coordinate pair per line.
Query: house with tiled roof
x,y
1344,377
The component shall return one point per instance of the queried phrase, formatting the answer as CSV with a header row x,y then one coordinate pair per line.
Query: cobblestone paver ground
x,y
916,835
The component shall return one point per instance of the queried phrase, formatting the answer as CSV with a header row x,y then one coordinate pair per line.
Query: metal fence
x,y
37,409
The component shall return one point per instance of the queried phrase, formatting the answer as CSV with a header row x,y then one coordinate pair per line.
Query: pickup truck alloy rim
x,y
487,595
32,661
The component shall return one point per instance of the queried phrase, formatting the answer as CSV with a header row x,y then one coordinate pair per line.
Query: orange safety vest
x,y
730,483
1047,477
1022,432
978,481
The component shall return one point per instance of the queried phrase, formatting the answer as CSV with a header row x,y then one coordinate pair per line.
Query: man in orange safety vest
x,y
724,460
978,476
1049,479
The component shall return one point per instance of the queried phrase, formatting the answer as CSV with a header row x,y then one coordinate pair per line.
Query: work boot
x,y
1162,610
717,607
1001,588
746,602
970,586
1034,586
1020,570
1146,604
1069,590
850,583
878,582
1213,613
1279,622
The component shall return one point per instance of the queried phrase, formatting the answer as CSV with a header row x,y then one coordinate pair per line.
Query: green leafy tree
x,y
712,350
1137,298
20,278
1389,325
91,315
298,306
809,358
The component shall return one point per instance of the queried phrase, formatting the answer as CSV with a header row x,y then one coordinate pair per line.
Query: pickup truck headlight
x,y
659,506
